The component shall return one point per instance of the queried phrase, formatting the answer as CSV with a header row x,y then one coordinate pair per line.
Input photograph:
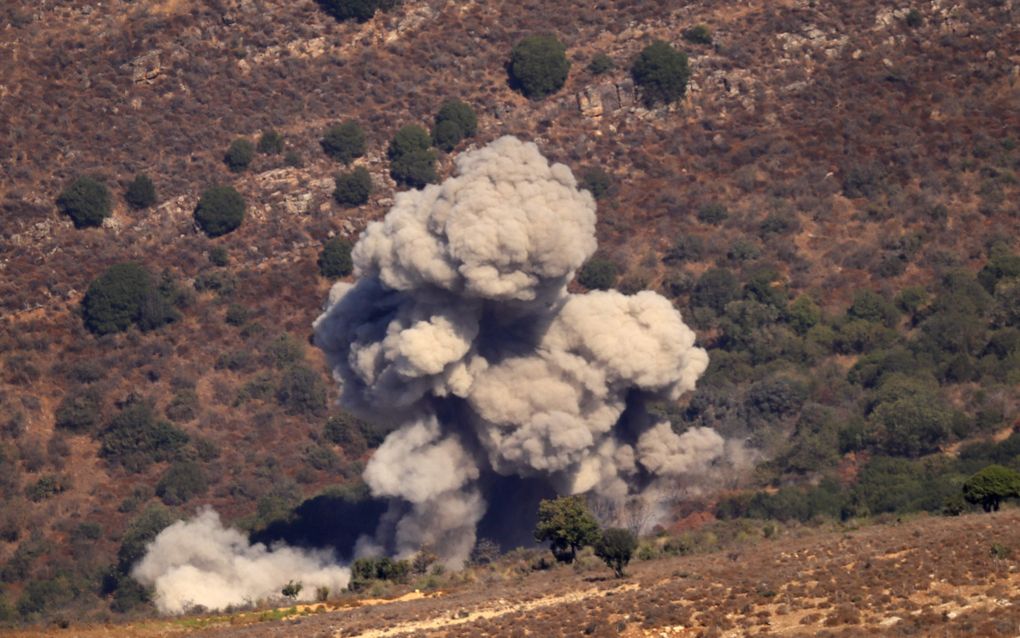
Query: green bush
x,y
181,482
335,259
991,486
218,256
415,169
454,122
301,391
47,486
183,405
123,295
715,288
714,213
360,10
140,532
408,139
662,73
220,211
600,63
539,66
870,306
270,143
344,142
698,34
615,548
598,273
239,155
86,201
596,181
353,188
141,192
914,19
567,524
80,411
134,438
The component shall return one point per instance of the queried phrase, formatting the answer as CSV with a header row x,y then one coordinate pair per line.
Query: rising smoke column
x,y
461,330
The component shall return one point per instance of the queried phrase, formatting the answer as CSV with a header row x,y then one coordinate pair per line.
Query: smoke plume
x,y
201,562
461,330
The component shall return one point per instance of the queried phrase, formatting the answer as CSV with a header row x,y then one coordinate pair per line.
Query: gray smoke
x,y
461,330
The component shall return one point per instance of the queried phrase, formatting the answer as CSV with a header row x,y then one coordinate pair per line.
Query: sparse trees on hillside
x,y
567,524
86,201
539,65
220,211
662,73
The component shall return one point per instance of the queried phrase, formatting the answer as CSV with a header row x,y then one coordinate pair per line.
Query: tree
x,y
415,169
141,192
335,259
140,532
662,73
301,391
344,142
600,63
239,155
114,300
80,411
539,66
409,139
567,524
596,181
715,288
353,188
615,548
136,439
86,201
360,10
454,122
270,143
598,273
220,211
991,486
292,589
182,481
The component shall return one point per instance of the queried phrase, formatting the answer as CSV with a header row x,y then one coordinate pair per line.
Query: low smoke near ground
x,y
460,328
505,386
201,562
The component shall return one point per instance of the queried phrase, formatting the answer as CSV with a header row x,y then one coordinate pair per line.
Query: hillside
x,y
832,206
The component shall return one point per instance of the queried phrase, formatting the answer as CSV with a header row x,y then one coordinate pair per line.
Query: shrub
x,y
47,486
335,259
141,192
662,73
123,295
220,211
353,188
991,486
914,19
415,169
80,411
714,214
239,155
181,482
870,306
344,142
615,548
140,532
912,426
596,181
715,288
360,10
349,433
86,201
698,34
454,122
600,63
301,391
183,405
598,274
567,524
539,66
218,256
135,438
270,143
408,139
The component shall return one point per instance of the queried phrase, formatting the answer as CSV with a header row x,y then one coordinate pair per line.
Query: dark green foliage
x,y
991,486
615,548
539,66
415,169
912,426
1002,265
454,122
567,524
80,411
803,314
181,482
292,589
698,34
270,143
123,295
218,256
662,73
598,273
135,438
301,391
237,315
914,19
140,532
353,188
321,458
485,552
365,570
335,259
715,288
220,211
352,434
714,214
596,181
239,155
360,10
47,486
600,63
141,192
344,142
86,201
408,139
40,596
870,306
776,397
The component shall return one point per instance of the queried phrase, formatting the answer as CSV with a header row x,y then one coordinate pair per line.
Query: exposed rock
x,y
145,68
596,101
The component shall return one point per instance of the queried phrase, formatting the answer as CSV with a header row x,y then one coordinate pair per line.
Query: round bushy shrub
x,y
335,258
114,300
600,64
596,181
698,34
182,481
141,192
455,121
86,201
415,169
220,211
353,188
271,143
539,65
598,274
239,155
344,142
662,73
409,139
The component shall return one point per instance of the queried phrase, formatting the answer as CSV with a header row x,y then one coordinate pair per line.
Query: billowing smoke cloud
x,y
461,330
201,562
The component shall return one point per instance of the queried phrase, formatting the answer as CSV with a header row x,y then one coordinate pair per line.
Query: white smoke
x,y
201,562
460,328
